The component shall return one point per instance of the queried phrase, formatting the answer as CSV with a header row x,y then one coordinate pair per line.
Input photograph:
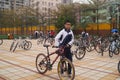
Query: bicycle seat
x,y
45,45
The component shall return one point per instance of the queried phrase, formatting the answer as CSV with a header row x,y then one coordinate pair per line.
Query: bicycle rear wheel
x,y
63,68
41,63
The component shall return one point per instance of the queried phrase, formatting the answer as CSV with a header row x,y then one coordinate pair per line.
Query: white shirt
x,y
63,33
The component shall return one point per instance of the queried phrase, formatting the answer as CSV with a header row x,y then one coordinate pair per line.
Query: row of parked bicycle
x,y
99,44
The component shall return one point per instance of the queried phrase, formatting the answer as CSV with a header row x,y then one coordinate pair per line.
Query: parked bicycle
x,y
101,45
41,40
80,50
21,43
114,47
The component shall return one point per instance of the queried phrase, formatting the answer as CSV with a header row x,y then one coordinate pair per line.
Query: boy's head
x,y
67,24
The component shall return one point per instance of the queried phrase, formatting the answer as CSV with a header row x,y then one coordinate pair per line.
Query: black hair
x,y
67,21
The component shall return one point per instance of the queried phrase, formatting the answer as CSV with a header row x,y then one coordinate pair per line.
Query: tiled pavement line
x,y
97,70
27,69
1,78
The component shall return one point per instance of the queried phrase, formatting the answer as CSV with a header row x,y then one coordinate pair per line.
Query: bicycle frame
x,y
48,56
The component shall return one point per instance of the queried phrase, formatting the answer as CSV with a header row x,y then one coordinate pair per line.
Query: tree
x,y
65,12
95,5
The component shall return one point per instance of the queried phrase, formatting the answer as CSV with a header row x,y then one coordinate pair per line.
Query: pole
x,y
14,10
118,16
97,20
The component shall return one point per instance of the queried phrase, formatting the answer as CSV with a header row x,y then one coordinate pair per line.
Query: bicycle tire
x,y
15,47
110,52
118,66
92,47
88,48
30,44
98,49
60,63
11,47
79,53
27,45
1,41
116,51
106,47
42,63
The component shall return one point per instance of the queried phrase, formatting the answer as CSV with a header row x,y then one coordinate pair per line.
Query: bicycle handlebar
x,y
55,47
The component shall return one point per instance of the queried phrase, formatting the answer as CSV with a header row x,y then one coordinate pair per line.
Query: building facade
x,y
10,4
45,6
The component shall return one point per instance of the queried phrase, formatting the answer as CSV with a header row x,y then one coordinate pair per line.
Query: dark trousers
x,y
68,55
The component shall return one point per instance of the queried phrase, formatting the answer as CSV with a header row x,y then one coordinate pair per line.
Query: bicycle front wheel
x,y
80,53
27,45
41,63
66,70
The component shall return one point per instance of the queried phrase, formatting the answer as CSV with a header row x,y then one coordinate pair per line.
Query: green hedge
x,y
3,37
15,36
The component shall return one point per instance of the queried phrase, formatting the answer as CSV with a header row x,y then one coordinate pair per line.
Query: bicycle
x,y
80,51
101,45
113,47
1,41
41,40
43,63
24,44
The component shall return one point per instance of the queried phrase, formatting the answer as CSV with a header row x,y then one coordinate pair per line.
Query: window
x,y
6,0
64,1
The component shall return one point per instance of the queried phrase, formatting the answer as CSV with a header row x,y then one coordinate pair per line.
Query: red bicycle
x,y
44,63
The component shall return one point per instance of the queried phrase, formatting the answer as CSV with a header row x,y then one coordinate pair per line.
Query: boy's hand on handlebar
x,y
68,45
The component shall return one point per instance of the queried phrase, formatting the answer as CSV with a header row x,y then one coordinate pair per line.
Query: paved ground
x,y
20,65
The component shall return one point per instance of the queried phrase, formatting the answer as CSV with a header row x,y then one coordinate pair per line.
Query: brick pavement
x,y
20,65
